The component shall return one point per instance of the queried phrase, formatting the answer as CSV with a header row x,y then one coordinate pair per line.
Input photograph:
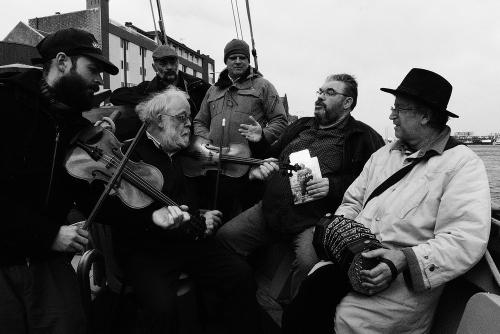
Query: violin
x,y
235,160
97,154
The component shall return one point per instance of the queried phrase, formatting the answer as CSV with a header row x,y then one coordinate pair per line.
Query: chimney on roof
x,y
57,13
128,24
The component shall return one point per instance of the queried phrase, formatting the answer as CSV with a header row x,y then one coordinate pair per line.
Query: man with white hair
x,y
154,244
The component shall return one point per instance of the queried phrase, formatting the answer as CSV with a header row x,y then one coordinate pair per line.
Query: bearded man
x,y
153,245
341,144
166,66
42,110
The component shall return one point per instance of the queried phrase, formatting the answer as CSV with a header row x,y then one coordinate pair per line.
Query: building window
x,y
123,43
189,70
199,75
122,84
180,67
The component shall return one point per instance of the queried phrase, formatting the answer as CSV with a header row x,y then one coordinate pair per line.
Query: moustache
x,y
320,103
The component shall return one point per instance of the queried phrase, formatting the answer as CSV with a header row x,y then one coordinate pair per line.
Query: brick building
x,y
127,46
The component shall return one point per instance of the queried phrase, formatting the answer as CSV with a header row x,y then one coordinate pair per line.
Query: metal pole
x,y
163,38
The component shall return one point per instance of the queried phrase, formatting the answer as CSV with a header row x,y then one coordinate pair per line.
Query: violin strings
x,y
227,157
233,158
162,197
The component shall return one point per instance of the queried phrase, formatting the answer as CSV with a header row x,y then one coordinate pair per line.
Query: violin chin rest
x,y
92,135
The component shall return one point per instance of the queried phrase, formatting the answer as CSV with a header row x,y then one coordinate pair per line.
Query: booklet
x,y
298,180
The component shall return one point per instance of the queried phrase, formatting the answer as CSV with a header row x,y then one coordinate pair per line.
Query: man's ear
x,y
348,101
154,67
62,62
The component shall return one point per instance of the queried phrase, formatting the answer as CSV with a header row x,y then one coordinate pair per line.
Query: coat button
x,y
432,267
426,257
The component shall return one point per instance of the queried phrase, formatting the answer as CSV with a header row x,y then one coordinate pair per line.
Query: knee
x,y
304,261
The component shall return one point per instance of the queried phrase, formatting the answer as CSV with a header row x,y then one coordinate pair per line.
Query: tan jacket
x,y
439,214
252,96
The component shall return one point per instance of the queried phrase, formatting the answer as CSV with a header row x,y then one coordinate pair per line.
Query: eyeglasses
x,y
398,110
329,92
182,118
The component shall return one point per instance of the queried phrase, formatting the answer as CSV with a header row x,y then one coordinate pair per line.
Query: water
x,y
491,157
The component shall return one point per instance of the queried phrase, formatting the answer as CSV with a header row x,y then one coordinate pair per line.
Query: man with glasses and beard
x,y
153,247
426,199
42,112
166,66
342,146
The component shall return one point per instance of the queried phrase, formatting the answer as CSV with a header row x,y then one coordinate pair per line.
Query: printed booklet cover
x,y
309,171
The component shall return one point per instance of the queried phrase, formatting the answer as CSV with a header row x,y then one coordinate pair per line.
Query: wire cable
x,y
234,19
239,21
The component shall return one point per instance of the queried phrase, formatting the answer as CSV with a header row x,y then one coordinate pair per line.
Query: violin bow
x,y
116,175
219,167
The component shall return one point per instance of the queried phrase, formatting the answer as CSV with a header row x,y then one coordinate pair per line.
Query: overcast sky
x,y
300,42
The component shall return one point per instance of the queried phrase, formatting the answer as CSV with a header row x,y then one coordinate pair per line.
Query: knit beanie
x,y
236,46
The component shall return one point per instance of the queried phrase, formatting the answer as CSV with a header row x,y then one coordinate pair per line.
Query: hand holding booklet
x,y
298,180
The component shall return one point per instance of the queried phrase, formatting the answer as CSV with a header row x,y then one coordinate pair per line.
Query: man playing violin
x,y
42,112
342,146
153,244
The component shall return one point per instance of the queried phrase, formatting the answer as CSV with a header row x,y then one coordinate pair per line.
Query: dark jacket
x,y
133,229
127,126
359,144
34,141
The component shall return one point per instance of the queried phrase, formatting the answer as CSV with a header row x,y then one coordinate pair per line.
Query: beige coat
x,y
439,214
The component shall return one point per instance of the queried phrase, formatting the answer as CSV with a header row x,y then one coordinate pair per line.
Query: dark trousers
x,y
154,275
313,309
234,195
40,298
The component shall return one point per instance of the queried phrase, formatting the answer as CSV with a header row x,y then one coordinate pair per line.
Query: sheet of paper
x,y
298,180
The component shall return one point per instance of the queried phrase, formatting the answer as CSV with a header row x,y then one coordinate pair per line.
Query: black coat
x,y
128,125
133,229
32,211
359,144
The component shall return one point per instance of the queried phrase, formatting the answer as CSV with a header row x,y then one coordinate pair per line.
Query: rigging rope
x,y
239,21
254,51
154,20
234,19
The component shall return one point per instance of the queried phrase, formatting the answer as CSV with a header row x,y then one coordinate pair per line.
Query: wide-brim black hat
x,y
426,87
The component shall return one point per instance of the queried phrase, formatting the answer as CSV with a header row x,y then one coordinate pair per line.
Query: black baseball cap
x,y
73,42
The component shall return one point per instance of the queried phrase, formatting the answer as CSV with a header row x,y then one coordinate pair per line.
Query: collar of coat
x,y
224,80
185,82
